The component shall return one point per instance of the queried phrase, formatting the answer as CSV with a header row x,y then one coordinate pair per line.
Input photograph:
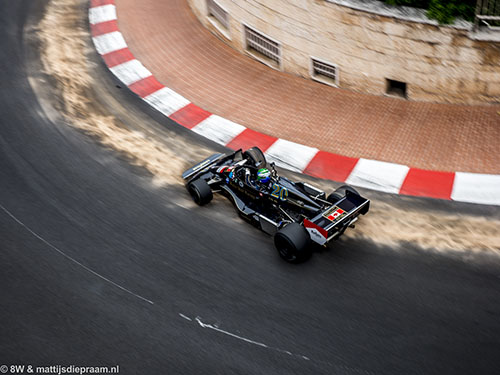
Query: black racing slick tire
x,y
200,192
334,197
292,243
341,190
256,156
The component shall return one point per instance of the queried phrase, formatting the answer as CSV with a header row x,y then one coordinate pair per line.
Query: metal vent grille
x,y
216,11
322,69
263,45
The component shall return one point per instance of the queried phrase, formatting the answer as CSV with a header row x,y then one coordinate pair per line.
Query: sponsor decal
x,y
201,165
224,168
318,234
335,213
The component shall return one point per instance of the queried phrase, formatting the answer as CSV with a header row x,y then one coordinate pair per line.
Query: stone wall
x,y
437,63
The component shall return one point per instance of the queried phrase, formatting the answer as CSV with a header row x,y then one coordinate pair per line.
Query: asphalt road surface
x,y
100,267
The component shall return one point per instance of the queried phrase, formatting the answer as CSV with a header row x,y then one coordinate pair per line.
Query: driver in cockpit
x,y
262,180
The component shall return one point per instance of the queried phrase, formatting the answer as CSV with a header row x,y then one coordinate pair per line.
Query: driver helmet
x,y
263,175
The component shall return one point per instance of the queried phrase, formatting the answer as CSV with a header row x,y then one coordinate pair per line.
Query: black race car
x,y
296,213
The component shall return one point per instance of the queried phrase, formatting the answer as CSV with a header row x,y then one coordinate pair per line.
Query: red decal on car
x,y
310,224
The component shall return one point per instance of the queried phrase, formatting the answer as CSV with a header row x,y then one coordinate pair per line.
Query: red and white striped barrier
x,y
371,174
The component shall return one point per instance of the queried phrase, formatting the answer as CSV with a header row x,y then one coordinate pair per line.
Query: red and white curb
x,y
371,174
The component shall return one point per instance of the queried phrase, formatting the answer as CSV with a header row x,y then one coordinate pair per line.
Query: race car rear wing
x,y
334,220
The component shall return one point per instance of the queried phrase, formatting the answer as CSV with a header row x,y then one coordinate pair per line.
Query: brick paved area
x,y
167,38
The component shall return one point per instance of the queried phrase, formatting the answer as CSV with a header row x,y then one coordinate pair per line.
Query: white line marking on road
x,y
217,329
185,317
72,259
337,366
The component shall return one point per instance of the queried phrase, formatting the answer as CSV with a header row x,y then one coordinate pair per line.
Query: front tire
x,y
292,243
256,156
200,192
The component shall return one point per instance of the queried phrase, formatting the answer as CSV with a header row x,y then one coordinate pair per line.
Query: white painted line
x,y
130,72
218,129
378,175
185,317
166,101
109,42
210,326
217,329
73,259
102,13
290,155
476,188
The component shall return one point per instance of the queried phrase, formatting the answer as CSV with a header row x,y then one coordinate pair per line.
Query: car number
x,y
279,192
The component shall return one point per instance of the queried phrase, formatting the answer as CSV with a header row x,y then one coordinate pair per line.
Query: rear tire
x,y
334,197
292,243
200,192
256,156
341,190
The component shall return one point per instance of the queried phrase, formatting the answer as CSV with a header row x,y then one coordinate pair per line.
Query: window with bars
x,y
324,72
219,13
265,48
